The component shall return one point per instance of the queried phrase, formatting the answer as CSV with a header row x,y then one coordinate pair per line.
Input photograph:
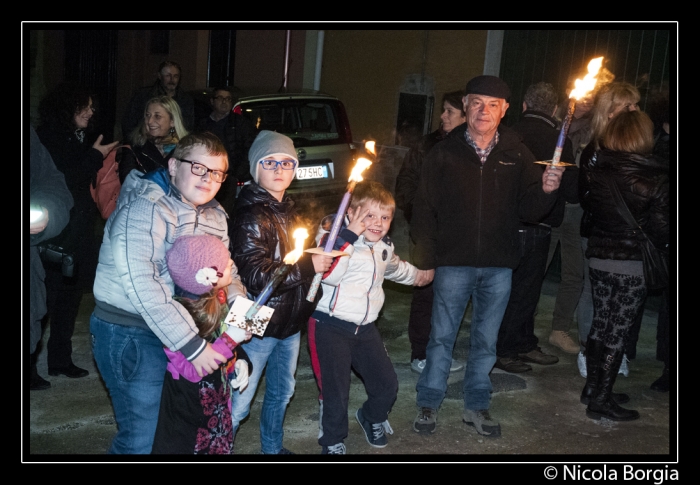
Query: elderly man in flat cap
x,y
475,187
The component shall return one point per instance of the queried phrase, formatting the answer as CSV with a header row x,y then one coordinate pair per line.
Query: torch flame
x,y
585,85
360,166
299,236
369,146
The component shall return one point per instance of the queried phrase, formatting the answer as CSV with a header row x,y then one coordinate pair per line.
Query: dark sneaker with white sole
x,y
482,422
426,421
374,432
336,449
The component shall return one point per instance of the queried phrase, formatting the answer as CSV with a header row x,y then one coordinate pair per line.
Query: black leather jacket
x,y
258,250
644,186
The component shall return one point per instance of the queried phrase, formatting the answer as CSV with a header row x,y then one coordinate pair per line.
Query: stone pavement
x,y
539,411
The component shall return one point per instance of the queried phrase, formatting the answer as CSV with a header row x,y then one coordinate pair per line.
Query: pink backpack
x,y
105,190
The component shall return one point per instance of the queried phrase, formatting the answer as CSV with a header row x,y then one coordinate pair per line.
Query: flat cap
x,y
488,86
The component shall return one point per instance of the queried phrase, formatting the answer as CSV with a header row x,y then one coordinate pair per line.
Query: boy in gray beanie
x,y
260,232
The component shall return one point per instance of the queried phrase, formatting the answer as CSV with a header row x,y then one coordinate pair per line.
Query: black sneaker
x,y
336,449
426,421
482,422
374,432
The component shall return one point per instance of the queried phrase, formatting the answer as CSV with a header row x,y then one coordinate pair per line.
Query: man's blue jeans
x,y
489,289
280,357
132,363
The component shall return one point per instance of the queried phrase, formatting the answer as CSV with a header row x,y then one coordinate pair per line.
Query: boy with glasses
x,y
135,313
261,235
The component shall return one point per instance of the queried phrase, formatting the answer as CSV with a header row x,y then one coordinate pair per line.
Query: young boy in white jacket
x,y
342,330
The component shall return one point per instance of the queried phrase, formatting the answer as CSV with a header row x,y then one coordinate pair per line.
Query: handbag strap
x,y
623,210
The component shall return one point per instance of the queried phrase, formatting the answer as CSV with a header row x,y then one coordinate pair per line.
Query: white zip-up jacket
x,y
352,287
132,285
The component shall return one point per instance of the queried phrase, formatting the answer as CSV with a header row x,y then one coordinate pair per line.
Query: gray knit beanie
x,y
269,143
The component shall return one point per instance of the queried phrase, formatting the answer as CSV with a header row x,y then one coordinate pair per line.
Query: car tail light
x,y
238,110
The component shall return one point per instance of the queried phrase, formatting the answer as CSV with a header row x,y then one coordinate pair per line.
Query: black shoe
x,y
38,383
72,371
512,365
662,384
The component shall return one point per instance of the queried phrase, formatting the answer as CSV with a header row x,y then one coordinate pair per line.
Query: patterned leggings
x,y
617,300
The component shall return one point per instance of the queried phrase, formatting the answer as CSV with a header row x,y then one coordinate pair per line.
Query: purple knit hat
x,y
197,262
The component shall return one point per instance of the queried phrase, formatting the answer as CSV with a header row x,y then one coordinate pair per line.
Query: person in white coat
x,y
342,330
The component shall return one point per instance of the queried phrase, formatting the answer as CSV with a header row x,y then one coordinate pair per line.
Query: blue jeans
x,y
132,364
489,289
280,357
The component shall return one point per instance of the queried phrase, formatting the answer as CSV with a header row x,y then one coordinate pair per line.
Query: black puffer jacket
x,y
258,250
644,185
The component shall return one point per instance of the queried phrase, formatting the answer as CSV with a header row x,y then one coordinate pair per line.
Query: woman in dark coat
x,y
66,130
407,182
615,259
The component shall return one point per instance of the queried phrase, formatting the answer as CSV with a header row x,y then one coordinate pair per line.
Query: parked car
x,y
319,127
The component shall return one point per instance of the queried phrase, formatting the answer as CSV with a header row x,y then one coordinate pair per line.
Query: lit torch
x,y
581,88
290,259
355,176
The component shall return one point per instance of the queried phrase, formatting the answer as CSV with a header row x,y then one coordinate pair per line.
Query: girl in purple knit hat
x,y
195,412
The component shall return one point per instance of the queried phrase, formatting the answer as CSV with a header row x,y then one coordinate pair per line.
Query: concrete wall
x,y
368,68
260,59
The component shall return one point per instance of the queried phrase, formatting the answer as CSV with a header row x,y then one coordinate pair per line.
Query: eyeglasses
x,y
222,98
200,170
273,164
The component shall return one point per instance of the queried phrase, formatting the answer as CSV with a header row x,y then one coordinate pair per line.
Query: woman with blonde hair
x,y
623,164
154,139
610,100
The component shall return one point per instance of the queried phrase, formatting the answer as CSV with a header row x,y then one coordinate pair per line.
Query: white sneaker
x,y
581,361
624,368
417,365
456,365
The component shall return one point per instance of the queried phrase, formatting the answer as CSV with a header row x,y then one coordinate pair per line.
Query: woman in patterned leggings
x,y
616,271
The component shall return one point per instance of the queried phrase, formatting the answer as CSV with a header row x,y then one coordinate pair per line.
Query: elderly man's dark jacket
x,y
467,214
137,106
540,135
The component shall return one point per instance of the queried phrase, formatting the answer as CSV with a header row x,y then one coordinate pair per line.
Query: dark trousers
x,y
663,331
63,297
517,332
419,320
341,346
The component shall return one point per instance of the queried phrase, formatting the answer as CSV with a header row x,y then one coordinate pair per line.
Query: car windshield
x,y
307,122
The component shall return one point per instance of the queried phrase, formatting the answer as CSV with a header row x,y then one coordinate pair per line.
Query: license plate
x,y
315,172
